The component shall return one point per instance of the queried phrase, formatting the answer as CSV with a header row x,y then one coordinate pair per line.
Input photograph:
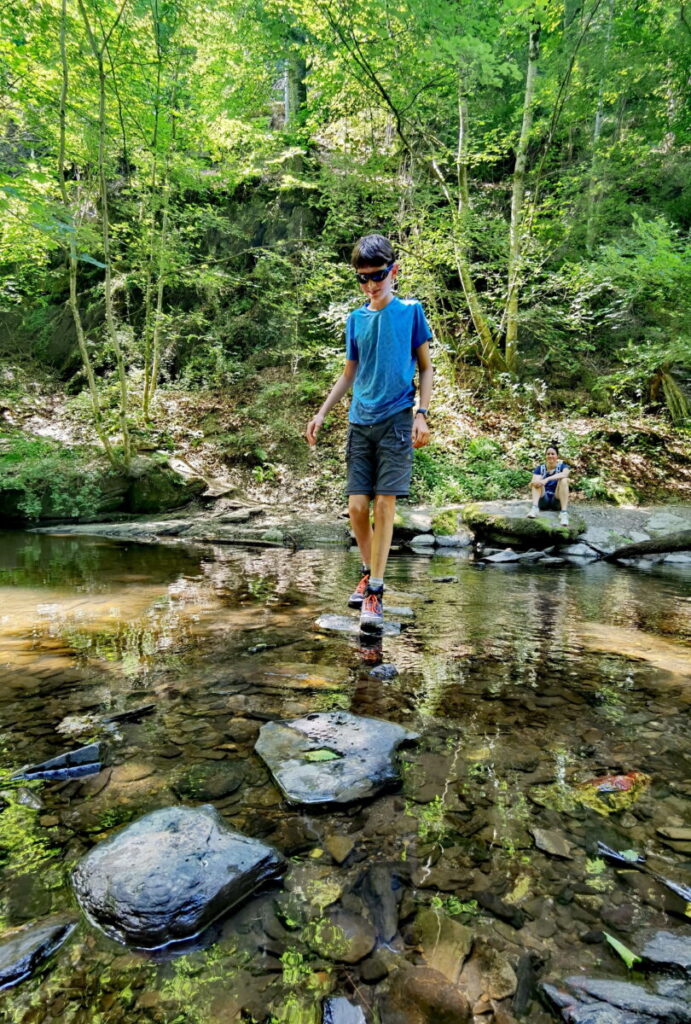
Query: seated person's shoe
x,y
533,513
372,614
357,597
563,518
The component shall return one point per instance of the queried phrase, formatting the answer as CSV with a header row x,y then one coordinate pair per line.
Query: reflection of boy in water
x,y
549,488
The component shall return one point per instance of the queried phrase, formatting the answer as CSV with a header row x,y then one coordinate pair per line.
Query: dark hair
x,y
551,446
371,251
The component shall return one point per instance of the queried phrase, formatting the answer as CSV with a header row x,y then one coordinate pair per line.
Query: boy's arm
x,y
426,370
342,385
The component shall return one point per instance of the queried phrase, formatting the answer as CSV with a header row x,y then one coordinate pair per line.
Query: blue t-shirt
x,y
384,342
550,485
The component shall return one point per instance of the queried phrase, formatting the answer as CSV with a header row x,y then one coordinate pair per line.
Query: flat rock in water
x,y
503,556
339,1010
445,943
626,996
332,757
73,765
24,950
551,842
423,540
669,949
346,624
168,875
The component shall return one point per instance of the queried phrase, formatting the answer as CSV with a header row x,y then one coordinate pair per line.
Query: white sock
x,y
375,583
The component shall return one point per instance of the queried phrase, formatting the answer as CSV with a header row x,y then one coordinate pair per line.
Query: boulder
x,y
331,757
423,540
506,523
24,950
454,540
168,875
153,486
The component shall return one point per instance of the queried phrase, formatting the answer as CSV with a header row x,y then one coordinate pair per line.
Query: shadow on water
x,y
522,682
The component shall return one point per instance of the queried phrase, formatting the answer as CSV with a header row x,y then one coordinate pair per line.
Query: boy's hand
x,y
313,428
420,432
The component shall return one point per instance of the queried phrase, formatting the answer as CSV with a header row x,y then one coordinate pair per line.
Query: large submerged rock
x,y
23,951
167,876
333,757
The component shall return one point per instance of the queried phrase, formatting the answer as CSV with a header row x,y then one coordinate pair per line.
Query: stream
x,y
522,682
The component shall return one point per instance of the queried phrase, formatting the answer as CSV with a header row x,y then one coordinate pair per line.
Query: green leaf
x,y
624,952
321,755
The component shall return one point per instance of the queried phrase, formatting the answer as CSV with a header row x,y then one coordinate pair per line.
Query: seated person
x,y
549,488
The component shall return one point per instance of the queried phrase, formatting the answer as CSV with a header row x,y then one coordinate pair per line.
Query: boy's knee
x,y
358,504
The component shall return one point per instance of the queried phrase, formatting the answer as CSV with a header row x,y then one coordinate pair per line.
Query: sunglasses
x,y
374,275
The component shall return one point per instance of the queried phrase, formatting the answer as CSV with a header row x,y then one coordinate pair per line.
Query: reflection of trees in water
x,y
36,559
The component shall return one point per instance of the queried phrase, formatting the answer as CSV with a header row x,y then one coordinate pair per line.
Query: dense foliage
x,y
181,184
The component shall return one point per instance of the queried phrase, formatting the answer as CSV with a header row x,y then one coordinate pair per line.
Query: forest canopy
x,y
181,184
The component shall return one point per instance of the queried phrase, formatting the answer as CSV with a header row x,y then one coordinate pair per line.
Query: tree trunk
x,y
103,189
595,181
488,351
517,200
72,253
680,541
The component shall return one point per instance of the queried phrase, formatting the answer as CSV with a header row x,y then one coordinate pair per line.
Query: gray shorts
x,y
380,456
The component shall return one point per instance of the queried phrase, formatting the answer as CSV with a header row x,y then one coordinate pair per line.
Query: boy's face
x,y
379,293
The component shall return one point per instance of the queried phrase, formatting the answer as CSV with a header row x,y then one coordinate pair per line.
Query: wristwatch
x,y
423,411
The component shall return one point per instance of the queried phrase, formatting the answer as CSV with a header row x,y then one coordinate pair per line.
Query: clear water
x,y
522,682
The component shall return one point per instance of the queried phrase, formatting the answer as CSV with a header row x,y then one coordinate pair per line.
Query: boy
x,y
386,339
549,487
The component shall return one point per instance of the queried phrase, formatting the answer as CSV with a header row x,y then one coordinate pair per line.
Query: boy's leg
x,y
384,514
358,508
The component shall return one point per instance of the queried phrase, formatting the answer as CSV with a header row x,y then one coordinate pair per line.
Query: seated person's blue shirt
x,y
550,485
383,342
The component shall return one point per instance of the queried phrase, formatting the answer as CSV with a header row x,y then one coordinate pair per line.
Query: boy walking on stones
x,y
387,338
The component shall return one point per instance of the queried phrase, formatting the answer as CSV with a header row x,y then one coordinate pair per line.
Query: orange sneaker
x,y
357,597
372,614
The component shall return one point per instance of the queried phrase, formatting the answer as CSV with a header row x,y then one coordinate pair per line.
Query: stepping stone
x,y
346,624
73,765
333,757
25,949
167,876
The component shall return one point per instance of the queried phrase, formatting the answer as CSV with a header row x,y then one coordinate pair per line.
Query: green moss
x,y
445,523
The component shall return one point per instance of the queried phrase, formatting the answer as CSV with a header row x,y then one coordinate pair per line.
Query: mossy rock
x,y
512,530
445,522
